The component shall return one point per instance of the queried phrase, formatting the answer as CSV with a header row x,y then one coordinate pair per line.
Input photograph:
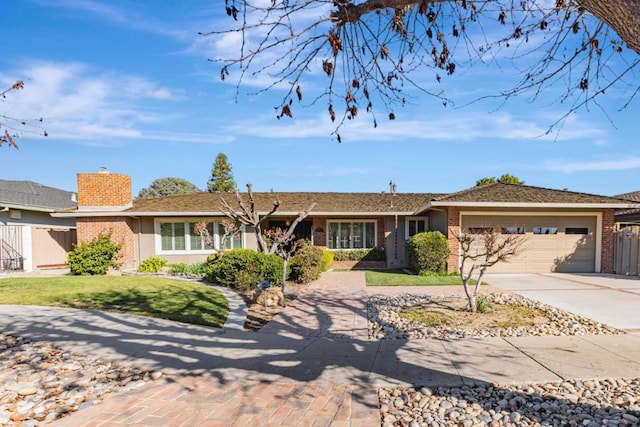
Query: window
x,y
513,230
351,235
415,226
181,237
479,230
545,230
576,230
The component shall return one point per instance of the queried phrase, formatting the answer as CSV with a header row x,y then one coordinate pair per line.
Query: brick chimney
x,y
104,192
104,189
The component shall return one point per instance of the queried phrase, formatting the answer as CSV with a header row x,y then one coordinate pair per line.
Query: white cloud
x,y
81,104
602,165
438,125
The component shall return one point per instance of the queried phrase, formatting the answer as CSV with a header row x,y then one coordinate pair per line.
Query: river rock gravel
x,y
384,321
40,382
596,403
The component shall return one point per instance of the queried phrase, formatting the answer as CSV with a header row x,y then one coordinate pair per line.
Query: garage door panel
x,y
560,252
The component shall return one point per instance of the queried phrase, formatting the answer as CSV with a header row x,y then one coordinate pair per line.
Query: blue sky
x,y
127,85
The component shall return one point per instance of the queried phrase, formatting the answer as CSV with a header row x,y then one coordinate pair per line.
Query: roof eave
x,y
27,207
85,214
556,205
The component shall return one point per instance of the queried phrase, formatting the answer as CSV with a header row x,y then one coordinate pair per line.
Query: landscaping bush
x,y
370,254
94,257
242,269
153,264
428,251
327,260
179,269
306,264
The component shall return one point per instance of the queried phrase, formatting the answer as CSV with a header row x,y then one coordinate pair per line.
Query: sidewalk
x,y
321,370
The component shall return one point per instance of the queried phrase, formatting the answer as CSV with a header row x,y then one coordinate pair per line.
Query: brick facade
x,y
103,189
122,233
606,251
453,230
107,190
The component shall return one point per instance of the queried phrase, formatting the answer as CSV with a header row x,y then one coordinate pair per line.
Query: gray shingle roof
x,y
633,196
32,194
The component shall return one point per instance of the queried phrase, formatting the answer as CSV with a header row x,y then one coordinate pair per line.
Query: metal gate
x,y
11,253
627,251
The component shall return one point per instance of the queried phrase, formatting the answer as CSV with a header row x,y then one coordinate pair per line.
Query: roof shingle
x,y
33,194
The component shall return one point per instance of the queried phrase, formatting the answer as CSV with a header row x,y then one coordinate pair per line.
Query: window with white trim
x,y
180,236
351,235
415,225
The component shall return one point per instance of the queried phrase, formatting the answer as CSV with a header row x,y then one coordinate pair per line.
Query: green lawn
x,y
171,299
400,278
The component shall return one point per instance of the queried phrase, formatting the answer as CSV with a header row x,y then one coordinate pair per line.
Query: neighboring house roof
x,y
631,215
29,195
499,194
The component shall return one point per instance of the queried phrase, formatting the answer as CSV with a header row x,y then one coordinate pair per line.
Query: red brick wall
x,y
453,230
122,232
608,229
104,189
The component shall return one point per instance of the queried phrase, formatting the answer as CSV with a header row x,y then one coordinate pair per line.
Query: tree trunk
x,y
284,280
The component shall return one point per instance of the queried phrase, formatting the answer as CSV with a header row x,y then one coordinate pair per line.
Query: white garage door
x,y
552,243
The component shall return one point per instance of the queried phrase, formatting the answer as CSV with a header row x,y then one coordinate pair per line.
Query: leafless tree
x,y
481,250
230,229
284,245
8,124
374,51
248,215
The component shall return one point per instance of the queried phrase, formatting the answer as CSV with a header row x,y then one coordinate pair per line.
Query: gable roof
x,y
291,203
633,196
29,195
500,194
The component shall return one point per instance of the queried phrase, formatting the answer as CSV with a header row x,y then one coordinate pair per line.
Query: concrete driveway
x,y
606,298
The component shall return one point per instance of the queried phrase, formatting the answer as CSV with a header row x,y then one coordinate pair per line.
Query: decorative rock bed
x,y
571,403
384,321
40,383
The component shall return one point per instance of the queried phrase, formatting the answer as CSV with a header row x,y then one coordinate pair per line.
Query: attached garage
x,y
562,243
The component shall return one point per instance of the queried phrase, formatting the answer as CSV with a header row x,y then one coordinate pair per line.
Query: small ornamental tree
x,y
428,251
8,132
481,251
221,180
285,246
94,257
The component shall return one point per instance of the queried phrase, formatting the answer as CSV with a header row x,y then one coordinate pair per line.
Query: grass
x,y
400,278
164,298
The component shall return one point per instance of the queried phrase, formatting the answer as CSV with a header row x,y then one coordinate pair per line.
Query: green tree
x,y
505,179
167,187
373,51
221,180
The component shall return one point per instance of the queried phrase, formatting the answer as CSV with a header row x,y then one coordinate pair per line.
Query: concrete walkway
x,y
320,371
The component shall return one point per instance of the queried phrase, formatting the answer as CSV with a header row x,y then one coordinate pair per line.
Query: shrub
x,y
306,264
428,251
482,304
327,260
152,264
198,268
371,254
179,269
94,257
242,269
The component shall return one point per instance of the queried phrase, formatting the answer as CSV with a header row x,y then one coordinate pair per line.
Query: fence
x,y
11,253
627,251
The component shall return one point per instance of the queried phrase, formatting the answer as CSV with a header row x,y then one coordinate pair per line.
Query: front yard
x,y
398,277
171,299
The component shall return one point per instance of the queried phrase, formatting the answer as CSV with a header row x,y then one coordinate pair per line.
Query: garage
x,y
552,242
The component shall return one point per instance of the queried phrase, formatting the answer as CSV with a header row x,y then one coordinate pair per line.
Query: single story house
x,y
30,239
564,230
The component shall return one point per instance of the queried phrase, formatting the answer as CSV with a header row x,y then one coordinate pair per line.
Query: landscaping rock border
x,y
384,321
40,383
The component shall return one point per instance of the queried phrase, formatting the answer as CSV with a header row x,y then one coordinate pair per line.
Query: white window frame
x,y
408,219
187,236
350,221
